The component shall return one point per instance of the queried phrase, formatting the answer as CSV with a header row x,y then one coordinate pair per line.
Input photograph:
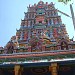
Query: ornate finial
x,y
40,2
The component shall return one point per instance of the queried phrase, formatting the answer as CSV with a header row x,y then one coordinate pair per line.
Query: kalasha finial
x,y
41,1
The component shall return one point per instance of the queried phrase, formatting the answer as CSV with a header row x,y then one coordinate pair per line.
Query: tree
x,y
65,1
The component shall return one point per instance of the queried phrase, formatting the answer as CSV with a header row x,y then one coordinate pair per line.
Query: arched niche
x,y
63,44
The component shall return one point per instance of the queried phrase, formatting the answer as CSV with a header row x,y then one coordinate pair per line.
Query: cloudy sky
x,y
12,11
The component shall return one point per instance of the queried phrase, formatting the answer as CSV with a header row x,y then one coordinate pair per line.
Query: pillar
x,y
18,70
54,69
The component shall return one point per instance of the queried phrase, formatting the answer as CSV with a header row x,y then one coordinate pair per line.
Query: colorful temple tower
x,y
42,30
41,39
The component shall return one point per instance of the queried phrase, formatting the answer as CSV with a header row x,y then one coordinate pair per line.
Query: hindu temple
x,y
41,46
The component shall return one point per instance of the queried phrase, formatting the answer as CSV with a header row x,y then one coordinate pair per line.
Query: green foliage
x,y
64,1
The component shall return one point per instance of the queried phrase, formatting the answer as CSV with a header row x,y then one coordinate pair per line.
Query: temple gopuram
x,y
41,45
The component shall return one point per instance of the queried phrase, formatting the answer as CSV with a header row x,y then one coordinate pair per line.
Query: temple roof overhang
x,y
40,63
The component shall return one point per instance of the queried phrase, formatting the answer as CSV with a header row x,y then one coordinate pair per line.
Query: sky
x,y
12,11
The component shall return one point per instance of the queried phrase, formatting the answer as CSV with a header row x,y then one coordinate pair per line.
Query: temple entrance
x,y
67,69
